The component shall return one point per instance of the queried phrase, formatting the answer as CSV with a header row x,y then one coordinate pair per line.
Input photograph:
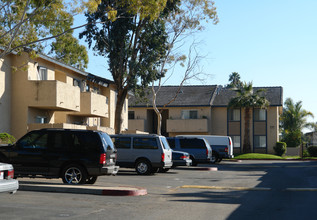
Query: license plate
x,y
1,175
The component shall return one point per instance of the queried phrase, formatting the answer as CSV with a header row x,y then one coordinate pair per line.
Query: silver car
x,y
145,152
7,183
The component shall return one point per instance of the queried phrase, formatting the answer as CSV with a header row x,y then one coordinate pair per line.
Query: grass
x,y
256,156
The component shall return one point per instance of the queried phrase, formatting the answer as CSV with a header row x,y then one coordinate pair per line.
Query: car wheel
x,y
214,158
91,179
74,174
143,167
194,163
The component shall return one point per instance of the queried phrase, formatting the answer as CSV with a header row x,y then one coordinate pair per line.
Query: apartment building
x,y
45,93
203,110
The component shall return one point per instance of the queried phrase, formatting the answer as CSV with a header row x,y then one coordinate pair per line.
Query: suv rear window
x,y
145,143
107,141
90,142
192,143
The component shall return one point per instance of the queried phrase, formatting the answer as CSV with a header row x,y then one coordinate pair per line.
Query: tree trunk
x,y
158,113
121,96
246,141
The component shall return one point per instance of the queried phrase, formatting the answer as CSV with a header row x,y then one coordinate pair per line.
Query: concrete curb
x,y
84,189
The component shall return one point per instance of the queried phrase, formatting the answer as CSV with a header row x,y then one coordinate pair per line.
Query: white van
x,y
221,146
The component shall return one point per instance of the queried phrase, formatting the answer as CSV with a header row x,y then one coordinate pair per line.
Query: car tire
x,y
143,167
91,179
214,158
74,174
194,163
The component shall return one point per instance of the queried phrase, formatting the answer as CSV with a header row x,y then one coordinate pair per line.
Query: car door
x,y
29,156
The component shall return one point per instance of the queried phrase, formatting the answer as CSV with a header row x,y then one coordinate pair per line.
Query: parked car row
x,y
80,156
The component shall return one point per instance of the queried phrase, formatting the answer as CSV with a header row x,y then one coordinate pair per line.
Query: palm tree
x,y
247,99
293,120
234,79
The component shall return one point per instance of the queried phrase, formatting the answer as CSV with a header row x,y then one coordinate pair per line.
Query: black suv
x,y
76,156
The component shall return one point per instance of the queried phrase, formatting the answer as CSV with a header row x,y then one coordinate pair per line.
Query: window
x,y
236,141
192,143
234,114
259,141
34,141
131,115
122,143
165,143
76,83
42,73
145,143
86,142
171,142
189,114
259,114
41,119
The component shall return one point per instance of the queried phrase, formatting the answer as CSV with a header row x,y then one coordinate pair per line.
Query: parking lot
x,y
237,190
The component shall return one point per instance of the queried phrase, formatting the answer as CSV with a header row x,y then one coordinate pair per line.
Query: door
x,y
29,156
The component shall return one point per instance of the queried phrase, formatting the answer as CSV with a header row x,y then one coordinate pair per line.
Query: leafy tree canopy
x,y
28,23
135,43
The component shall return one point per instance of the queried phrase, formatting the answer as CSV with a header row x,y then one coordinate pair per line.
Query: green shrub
x,y
6,138
280,148
312,150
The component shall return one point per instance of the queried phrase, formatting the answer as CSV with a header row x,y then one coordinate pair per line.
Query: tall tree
x,y
29,23
234,79
247,99
189,19
293,121
134,44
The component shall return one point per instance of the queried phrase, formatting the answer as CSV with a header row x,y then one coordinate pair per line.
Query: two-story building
x,y
45,93
203,110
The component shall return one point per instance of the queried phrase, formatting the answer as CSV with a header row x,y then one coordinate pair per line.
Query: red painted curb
x,y
123,192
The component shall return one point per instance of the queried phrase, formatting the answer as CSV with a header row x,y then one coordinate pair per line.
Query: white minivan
x,y
221,146
145,152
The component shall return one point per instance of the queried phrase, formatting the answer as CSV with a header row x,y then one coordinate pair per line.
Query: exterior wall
x,y
26,102
272,128
218,121
218,124
5,95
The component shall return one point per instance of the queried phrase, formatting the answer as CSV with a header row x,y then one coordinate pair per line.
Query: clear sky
x,y
271,43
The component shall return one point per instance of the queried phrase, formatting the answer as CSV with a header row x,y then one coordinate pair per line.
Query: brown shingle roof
x,y
208,95
188,96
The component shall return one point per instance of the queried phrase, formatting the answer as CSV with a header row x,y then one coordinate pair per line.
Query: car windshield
x,y
165,143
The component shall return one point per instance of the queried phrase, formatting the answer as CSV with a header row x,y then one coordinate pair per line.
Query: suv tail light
x,y
102,159
226,149
10,174
162,157
184,157
207,151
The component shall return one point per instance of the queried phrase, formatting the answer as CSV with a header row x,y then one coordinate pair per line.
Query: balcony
x,y
54,95
92,105
136,124
187,125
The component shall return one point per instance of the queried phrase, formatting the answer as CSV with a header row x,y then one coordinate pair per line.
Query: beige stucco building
x,y
204,110
45,93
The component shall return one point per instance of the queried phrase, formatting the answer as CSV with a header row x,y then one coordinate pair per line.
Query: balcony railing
x,y
136,124
187,125
93,105
54,95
